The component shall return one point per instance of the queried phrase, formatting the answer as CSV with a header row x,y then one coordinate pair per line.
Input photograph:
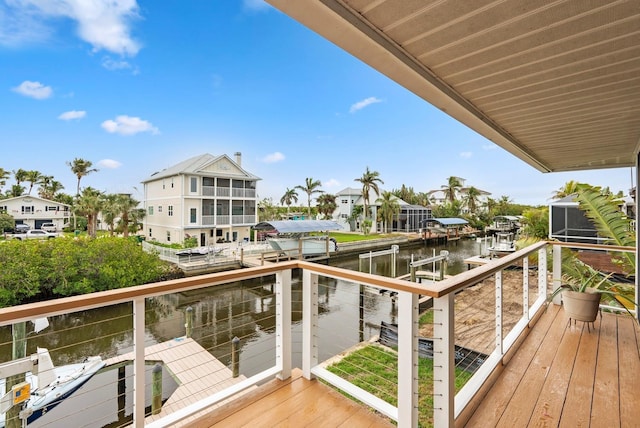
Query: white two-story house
x,y
208,197
34,211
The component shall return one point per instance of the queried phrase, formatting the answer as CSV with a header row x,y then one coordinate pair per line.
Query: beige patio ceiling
x,y
556,83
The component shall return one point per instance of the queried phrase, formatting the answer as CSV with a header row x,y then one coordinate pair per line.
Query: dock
x,y
198,374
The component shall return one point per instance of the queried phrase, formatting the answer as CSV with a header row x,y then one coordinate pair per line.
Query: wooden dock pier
x,y
198,374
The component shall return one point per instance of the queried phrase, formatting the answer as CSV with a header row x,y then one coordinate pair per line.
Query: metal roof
x,y
453,221
298,226
557,84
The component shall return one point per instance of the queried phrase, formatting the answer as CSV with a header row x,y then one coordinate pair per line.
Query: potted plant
x,y
583,288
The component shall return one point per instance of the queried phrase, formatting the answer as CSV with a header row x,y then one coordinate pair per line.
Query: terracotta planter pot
x,y
581,306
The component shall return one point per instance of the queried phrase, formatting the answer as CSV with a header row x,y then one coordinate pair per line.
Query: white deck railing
x,y
447,406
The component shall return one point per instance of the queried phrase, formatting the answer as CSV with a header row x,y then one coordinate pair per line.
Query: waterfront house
x,y
34,211
408,220
553,83
211,198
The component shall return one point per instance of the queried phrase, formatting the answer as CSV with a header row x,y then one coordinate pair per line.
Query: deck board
x,y
293,402
567,375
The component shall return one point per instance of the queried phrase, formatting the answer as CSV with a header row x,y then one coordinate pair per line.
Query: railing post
x,y
407,359
499,334
543,271
525,288
138,362
443,361
283,323
309,322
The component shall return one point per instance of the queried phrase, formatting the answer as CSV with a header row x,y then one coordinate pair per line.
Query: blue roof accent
x,y
453,221
298,226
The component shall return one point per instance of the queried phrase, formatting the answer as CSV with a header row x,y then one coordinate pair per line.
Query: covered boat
x,y
294,237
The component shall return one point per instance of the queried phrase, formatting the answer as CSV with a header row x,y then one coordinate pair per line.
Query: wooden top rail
x,y
585,246
65,305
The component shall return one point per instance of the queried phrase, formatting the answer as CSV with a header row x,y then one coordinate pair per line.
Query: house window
x,y
51,208
194,184
28,210
150,210
149,232
192,215
168,236
170,210
172,183
163,184
345,201
159,208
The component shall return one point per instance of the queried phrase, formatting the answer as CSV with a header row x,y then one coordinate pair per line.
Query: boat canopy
x,y
298,226
453,221
506,218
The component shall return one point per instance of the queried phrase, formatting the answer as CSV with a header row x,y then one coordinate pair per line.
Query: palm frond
x,y
603,209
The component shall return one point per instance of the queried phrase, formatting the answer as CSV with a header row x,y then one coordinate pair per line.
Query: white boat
x,y
53,384
502,243
293,236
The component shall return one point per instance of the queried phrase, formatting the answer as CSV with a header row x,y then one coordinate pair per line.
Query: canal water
x,y
348,314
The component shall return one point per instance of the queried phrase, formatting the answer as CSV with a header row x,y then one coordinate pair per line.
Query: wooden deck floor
x,y
565,375
295,402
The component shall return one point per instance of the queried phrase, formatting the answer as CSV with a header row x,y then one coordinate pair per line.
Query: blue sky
x,y
135,87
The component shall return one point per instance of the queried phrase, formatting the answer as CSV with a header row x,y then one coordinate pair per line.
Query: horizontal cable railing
x,y
259,322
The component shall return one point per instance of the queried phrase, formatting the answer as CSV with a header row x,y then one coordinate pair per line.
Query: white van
x,y
48,227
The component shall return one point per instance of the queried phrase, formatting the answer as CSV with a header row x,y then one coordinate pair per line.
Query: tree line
x,y
119,211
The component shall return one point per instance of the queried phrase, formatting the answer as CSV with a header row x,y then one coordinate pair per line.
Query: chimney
x,y
238,156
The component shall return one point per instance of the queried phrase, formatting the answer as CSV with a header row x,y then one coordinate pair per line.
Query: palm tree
x,y
81,168
452,188
126,205
369,181
32,177
4,175
310,187
20,175
569,188
89,204
389,207
110,211
327,204
290,196
49,187
472,199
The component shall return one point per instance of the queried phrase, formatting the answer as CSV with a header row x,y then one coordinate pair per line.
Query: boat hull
x,y
310,246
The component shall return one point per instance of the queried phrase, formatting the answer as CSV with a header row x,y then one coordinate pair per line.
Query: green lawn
x,y
375,370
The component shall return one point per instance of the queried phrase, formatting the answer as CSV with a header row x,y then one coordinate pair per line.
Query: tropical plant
x,y
4,175
472,199
290,196
389,207
49,187
451,189
32,177
89,204
327,204
369,181
81,168
126,207
535,223
569,188
310,187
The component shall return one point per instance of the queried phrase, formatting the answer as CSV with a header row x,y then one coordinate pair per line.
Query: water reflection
x,y
348,314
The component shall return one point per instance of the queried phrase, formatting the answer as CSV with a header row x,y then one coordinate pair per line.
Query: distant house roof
x,y
196,166
453,221
298,226
27,198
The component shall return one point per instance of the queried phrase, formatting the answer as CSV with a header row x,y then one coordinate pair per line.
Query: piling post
x,y
235,357
19,332
156,389
122,392
189,321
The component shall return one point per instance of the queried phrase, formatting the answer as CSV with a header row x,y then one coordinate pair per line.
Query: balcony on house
x,y
251,354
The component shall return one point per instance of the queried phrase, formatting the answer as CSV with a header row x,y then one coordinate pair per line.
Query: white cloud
x,y
255,5
273,158
105,24
331,183
109,164
489,146
34,90
73,114
127,125
118,64
364,103
466,155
